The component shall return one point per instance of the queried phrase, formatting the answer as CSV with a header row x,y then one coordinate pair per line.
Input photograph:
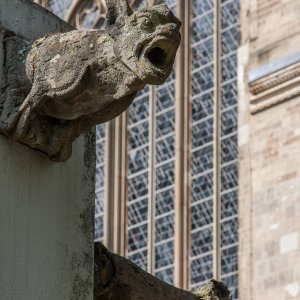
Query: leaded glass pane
x,y
229,94
100,152
201,269
202,54
138,186
229,176
166,275
201,6
229,203
140,259
164,228
229,260
165,123
138,135
202,187
229,149
139,109
230,40
137,237
165,97
137,212
202,214
165,149
164,176
99,228
99,177
230,14
229,121
203,80
229,67
164,201
99,205
229,232
202,106
164,254
138,160
232,283
100,131
202,241
202,160
202,28
202,133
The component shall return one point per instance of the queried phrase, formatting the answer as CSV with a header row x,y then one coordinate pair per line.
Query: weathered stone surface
x,y
78,79
117,278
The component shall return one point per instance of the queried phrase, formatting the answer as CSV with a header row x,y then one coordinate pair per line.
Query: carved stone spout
x,y
60,86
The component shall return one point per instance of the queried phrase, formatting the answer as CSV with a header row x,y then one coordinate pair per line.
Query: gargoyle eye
x,y
146,23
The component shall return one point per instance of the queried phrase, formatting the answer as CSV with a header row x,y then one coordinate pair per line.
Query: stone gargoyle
x,y
69,82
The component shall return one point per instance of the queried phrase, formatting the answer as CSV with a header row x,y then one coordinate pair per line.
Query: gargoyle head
x,y
145,41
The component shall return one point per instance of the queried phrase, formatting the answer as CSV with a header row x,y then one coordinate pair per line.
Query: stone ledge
x,y
282,83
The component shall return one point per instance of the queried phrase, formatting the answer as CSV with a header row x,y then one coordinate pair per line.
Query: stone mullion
x,y
217,144
152,178
182,149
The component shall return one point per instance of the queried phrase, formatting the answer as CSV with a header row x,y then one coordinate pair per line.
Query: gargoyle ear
x,y
116,12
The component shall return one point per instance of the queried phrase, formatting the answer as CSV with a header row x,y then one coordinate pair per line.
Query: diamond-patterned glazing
x,y
202,214
140,258
165,149
165,123
203,80
164,254
201,270
202,27
202,133
202,160
138,186
229,176
229,260
229,204
229,232
166,275
164,227
164,201
202,53
164,176
138,160
232,283
202,106
137,237
202,187
201,6
202,241
165,96
137,212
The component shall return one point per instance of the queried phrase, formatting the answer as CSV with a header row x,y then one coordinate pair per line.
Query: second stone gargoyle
x,y
85,77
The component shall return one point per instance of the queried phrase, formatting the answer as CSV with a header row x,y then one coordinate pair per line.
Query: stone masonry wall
x,y
269,146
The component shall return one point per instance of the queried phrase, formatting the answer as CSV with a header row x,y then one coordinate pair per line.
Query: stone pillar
x,y
46,208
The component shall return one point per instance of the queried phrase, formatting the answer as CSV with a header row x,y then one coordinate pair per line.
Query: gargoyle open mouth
x,y
157,58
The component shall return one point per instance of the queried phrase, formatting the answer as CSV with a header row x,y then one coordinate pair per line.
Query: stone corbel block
x,y
58,87
274,83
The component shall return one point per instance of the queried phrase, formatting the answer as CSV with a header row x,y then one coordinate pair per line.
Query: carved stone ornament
x,y
63,84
